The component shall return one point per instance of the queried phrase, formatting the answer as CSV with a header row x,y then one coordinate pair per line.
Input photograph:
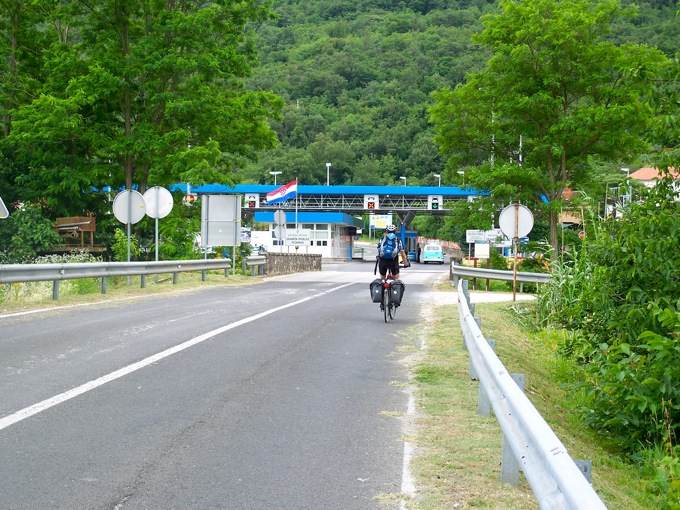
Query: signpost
x,y
220,222
280,227
516,221
129,208
159,203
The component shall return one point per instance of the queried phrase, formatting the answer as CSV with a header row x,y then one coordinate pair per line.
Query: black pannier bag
x,y
376,287
397,292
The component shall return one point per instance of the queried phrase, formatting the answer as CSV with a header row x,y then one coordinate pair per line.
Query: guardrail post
x,y
103,284
471,370
483,402
585,467
55,289
203,273
244,267
509,463
143,281
175,277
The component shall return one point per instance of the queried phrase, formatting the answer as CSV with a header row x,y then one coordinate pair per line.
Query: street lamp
x,y
404,179
461,172
275,174
328,174
439,176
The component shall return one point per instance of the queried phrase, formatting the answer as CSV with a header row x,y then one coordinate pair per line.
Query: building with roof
x,y
323,219
648,176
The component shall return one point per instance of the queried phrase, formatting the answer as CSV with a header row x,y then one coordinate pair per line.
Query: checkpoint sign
x,y
298,237
371,202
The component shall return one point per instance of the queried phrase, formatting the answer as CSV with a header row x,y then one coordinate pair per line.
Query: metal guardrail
x,y
255,261
18,273
458,272
555,479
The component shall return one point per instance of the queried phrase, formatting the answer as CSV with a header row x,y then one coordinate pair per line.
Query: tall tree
x,y
554,93
144,92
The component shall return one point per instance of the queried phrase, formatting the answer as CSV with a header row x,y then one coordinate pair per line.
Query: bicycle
x,y
388,308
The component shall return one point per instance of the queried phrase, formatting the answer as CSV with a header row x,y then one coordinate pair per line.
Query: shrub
x,y
620,295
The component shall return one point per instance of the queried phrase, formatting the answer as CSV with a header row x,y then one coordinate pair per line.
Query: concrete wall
x,y
287,263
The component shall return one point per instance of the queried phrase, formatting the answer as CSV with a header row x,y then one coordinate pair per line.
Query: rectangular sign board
x,y
220,224
482,249
494,236
472,236
298,237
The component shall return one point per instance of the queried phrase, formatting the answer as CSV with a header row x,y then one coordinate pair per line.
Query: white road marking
x,y
84,388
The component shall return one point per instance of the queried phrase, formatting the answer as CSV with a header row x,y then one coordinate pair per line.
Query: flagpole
x,y
296,204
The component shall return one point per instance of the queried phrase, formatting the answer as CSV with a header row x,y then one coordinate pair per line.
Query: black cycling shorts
x,y
385,264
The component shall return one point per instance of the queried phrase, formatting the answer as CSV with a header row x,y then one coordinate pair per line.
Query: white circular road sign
x,y
158,201
280,217
129,206
516,215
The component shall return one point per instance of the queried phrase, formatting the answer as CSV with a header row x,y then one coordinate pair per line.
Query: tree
x,y
554,93
142,92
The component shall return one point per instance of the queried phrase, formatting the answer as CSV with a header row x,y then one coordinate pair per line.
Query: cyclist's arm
x,y
407,262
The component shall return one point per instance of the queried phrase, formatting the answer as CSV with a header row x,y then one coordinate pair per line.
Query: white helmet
x,y
391,228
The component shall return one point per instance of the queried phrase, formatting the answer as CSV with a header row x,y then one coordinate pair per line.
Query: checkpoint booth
x,y
329,234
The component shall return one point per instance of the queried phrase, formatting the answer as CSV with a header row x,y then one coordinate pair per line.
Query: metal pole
x,y
514,276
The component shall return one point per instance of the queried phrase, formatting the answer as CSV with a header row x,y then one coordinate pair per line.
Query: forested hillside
x,y
357,76
105,94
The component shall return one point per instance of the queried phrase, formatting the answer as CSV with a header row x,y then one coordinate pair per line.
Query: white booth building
x,y
329,234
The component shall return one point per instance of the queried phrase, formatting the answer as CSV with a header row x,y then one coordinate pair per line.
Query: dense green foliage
x,y
127,92
25,234
619,298
555,93
81,107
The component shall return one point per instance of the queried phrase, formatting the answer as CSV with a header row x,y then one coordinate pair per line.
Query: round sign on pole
x,y
129,206
280,232
516,216
158,201
280,217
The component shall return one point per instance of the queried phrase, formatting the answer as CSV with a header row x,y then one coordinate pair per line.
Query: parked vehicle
x,y
433,253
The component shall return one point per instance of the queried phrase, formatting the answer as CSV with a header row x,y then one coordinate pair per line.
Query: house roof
x,y
650,174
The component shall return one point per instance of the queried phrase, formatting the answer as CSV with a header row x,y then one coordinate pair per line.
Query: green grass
x,y
32,295
458,464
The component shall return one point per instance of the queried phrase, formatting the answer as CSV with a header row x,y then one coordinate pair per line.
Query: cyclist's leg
x,y
382,268
395,268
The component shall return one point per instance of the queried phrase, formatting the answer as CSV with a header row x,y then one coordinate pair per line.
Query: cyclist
x,y
391,263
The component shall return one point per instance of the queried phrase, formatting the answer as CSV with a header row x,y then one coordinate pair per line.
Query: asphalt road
x,y
280,395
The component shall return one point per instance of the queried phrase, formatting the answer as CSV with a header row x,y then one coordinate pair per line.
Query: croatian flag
x,y
282,194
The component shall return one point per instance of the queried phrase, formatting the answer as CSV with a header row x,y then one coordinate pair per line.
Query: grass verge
x,y
38,295
457,464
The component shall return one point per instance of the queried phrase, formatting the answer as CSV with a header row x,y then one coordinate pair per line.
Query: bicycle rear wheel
x,y
386,303
393,311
